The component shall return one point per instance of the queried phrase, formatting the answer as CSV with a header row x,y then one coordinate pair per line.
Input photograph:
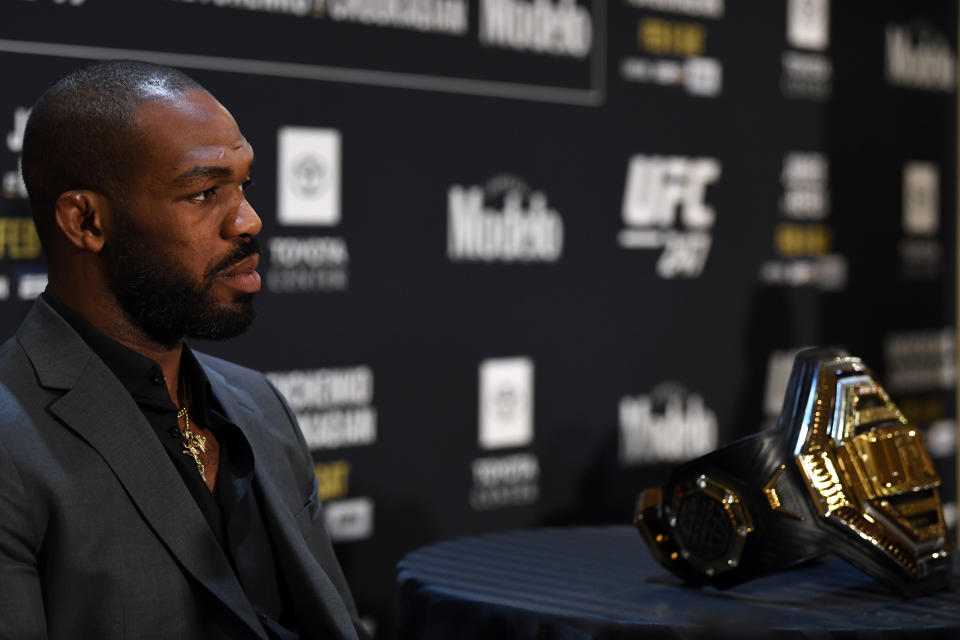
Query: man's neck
x,y
105,314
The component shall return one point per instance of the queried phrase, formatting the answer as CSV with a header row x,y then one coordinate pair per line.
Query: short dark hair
x,y
82,131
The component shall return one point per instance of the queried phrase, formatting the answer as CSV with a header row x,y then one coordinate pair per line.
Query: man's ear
x,y
80,215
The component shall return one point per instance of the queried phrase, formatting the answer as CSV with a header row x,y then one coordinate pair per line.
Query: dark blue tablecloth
x,y
601,582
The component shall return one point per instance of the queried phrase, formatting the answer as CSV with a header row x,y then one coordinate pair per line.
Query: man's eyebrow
x,y
202,171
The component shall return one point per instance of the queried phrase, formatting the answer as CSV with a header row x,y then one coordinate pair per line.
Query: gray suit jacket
x,y
99,537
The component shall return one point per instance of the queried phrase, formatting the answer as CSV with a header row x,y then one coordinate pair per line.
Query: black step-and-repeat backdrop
x,y
522,256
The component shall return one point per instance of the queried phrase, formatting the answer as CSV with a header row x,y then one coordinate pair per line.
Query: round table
x,y
601,582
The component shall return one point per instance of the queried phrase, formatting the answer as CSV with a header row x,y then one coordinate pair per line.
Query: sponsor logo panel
x,y
333,406
308,195
333,479
308,176
504,481
674,53
920,360
665,210
560,28
18,235
921,250
698,8
13,186
463,47
506,393
941,439
805,74
349,519
506,403
502,221
31,285
19,243
668,424
18,239
919,57
437,16
808,24
307,264
803,236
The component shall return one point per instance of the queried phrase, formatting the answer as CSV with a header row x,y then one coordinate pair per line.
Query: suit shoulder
x,y
14,364
229,369
253,382
6,347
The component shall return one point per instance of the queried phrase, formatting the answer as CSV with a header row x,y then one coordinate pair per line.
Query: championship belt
x,y
842,472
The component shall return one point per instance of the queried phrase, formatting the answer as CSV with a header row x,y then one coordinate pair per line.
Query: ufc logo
x,y
660,190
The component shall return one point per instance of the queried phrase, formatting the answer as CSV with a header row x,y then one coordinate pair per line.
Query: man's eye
x,y
203,196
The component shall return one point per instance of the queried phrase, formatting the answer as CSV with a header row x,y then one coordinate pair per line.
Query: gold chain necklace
x,y
194,444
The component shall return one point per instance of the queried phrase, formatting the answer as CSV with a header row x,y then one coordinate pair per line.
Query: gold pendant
x,y
194,445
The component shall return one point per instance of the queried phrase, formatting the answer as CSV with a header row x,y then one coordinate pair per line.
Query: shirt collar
x,y
142,377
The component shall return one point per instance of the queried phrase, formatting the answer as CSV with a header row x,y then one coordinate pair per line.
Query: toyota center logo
x,y
506,403
308,176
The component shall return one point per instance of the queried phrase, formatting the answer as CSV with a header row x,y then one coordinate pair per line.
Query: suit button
x,y
157,379
263,617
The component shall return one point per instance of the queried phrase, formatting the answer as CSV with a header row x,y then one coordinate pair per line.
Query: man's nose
x,y
244,221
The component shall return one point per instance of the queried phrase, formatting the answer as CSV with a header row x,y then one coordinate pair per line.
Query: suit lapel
x,y
308,583
99,409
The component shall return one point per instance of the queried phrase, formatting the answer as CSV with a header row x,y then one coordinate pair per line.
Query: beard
x,y
160,297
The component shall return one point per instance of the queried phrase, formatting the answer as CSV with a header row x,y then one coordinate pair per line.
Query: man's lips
x,y
243,276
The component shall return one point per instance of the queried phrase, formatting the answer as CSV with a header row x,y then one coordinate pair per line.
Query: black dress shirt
x,y
232,510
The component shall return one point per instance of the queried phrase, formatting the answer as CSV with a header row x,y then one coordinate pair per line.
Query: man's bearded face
x,y
160,296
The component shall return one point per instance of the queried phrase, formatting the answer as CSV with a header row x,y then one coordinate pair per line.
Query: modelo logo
x,y
664,208
922,60
667,425
561,28
502,222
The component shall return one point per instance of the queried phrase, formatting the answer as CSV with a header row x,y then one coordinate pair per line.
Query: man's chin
x,y
228,321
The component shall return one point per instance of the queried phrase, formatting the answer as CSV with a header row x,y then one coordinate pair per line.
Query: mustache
x,y
243,250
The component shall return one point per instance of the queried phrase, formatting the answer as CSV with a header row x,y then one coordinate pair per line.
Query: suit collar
x,y
308,582
100,410
58,361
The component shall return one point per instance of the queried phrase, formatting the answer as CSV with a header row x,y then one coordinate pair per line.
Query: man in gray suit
x,y
148,491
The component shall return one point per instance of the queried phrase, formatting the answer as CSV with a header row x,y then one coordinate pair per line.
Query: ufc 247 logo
x,y
664,208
